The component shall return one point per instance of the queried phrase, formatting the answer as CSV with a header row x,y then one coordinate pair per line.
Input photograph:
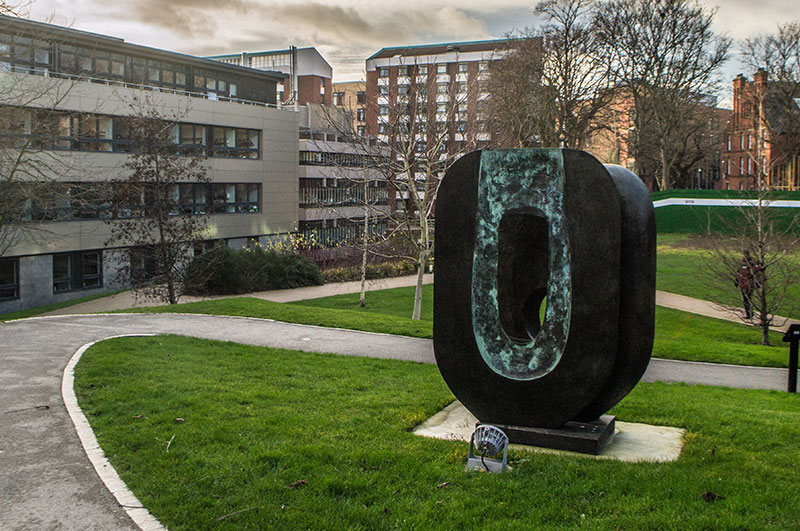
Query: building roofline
x,y
434,45
116,42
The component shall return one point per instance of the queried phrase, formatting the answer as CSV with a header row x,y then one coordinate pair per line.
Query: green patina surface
x,y
532,182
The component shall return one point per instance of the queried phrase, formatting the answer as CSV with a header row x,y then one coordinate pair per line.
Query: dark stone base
x,y
582,437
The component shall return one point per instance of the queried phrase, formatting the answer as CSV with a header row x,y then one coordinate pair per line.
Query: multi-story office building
x,y
227,113
309,74
331,203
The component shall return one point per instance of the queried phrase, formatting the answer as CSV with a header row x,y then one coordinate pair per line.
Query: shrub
x,y
382,270
226,271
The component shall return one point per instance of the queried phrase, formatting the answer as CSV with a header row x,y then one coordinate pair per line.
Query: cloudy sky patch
x,y
345,31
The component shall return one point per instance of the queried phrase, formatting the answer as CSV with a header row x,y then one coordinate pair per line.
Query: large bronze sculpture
x,y
518,230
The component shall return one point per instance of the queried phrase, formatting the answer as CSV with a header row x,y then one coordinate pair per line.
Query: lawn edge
x,y
105,471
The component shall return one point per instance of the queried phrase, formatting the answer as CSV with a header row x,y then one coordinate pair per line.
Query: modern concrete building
x,y
309,74
228,113
328,165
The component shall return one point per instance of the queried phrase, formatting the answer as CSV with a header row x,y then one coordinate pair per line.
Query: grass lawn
x,y
679,335
279,439
32,312
680,270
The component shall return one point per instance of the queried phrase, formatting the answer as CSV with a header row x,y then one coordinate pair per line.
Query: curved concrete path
x,y
46,480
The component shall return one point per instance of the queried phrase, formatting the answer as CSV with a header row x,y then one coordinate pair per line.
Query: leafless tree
x,y
549,89
666,57
360,197
149,216
31,166
769,112
757,261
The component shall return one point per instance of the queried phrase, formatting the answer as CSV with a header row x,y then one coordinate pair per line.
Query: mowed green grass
x,y
679,335
214,435
681,269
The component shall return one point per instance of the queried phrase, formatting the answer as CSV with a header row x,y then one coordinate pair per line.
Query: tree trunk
x,y
665,171
364,242
418,292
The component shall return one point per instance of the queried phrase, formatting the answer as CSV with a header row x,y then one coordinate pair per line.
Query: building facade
x,y
763,136
309,75
449,86
352,97
87,84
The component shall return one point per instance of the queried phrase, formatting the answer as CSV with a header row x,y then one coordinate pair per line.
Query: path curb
x,y
108,475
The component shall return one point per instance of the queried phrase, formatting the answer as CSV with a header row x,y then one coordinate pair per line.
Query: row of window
x,y
440,68
77,201
92,132
71,271
746,141
323,158
23,54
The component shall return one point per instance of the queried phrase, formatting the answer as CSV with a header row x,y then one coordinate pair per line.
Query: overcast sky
x,y
346,32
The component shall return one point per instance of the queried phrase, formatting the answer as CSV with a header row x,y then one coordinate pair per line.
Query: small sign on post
x,y
792,336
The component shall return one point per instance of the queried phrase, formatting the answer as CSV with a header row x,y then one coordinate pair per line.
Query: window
x,y
402,89
96,133
741,142
360,115
384,90
729,142
383,110
75,271
441,88
422,70
402,70
238,198
192,139
9,279
361,97
463,68
234,143
338,98
361,130
383,72
441,69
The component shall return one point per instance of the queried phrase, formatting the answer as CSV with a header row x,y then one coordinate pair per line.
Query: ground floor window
x,y
79,270
9,279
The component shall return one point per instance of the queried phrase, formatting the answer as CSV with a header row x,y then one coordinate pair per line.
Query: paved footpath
x,y
46,480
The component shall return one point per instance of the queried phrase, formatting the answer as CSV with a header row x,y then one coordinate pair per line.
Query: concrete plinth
x,y
632,442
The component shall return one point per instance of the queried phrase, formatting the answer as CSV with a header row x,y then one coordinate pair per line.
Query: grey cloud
x,y
187,18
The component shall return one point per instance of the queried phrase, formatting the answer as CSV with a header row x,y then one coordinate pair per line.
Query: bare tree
x,y
360,197
424,135
31,167
666,57
149,216
550,89
768,118
757,260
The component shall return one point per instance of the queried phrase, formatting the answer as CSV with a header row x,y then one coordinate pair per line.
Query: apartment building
x,y
352,97
309,75
448,84
228,113
763,135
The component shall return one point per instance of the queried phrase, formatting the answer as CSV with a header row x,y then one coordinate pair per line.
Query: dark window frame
x,y
10,290
78,277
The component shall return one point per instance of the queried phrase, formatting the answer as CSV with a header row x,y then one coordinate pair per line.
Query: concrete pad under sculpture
x,y
632,442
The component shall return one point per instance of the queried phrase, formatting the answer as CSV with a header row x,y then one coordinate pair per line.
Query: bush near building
x,y
226,271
